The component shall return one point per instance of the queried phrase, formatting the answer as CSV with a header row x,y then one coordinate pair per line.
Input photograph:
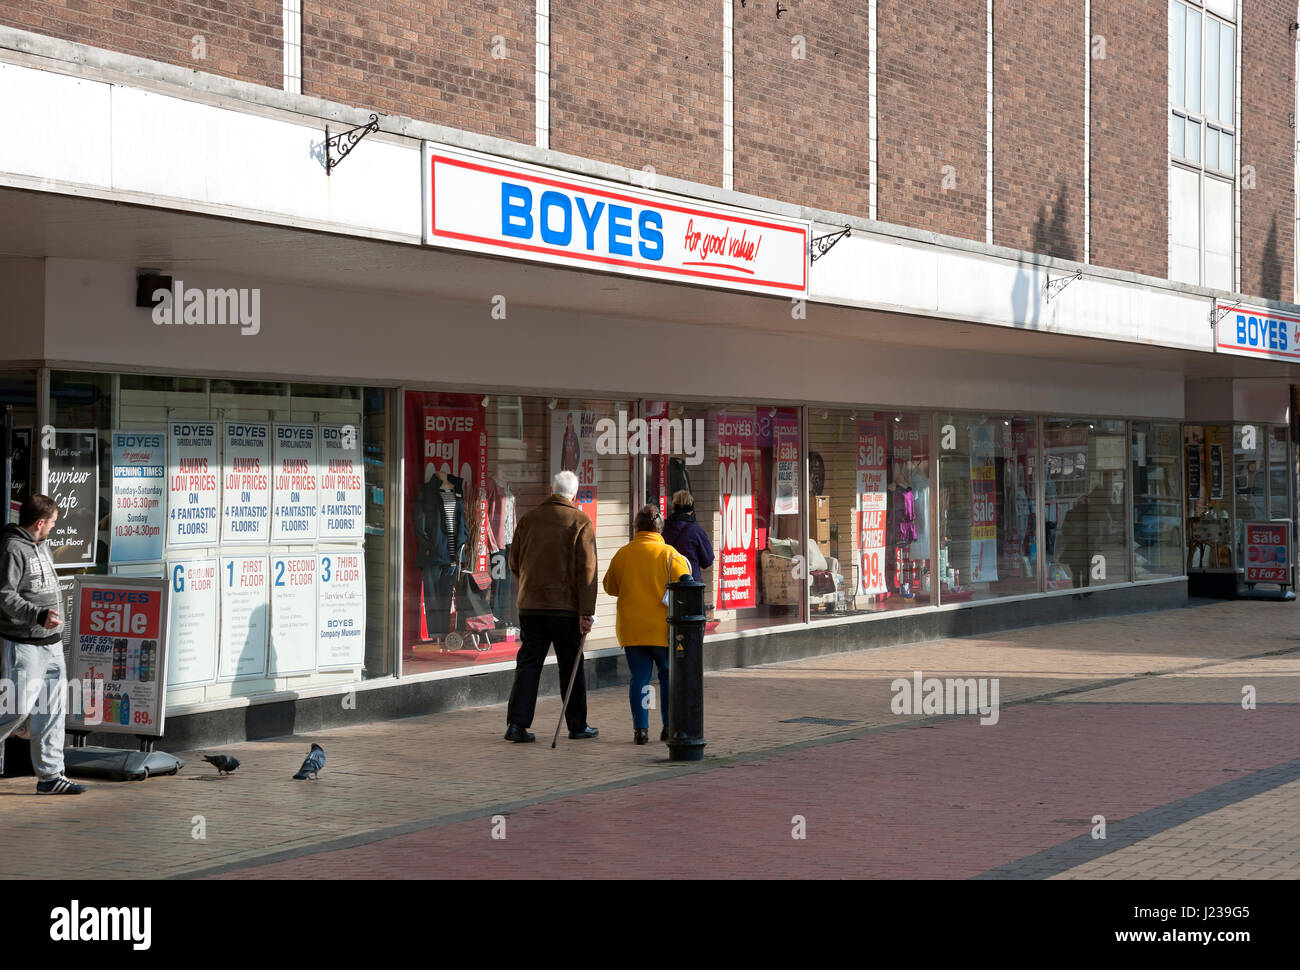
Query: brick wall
x,y
431,60
639,84
1038,72
1267,100
240,40
1130,177
931,111
801,123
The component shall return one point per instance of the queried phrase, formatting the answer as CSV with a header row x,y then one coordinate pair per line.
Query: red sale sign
x,y
1266,553
455,442
871,552
120,612
736,490
872,494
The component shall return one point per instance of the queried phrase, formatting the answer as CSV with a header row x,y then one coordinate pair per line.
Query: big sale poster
x,y
983,507
294,500
342,501
573,448
139,497
192,632
246,481
736,491
245,617
341,610
455,442
193,513
872,486
120,641
785,438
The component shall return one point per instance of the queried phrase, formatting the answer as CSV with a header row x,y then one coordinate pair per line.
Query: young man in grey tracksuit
x,y
32,642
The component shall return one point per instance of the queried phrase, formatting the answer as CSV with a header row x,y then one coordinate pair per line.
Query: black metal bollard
x,y
686,670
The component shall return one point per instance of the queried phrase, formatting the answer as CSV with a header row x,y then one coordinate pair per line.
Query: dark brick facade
x,y
427,59
1130,177
1038,79
802,122
931,109
240,38
639,84
1267,101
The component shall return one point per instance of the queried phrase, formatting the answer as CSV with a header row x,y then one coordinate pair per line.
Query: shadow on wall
x,y
1051,238
1270,267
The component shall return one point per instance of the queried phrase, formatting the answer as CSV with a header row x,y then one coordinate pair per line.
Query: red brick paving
x,y
948,801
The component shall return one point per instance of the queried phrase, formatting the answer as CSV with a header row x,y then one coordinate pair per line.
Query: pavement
x,y
1122,749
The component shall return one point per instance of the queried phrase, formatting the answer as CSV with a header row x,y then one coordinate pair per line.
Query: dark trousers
x,y
641,662
538,631
438,584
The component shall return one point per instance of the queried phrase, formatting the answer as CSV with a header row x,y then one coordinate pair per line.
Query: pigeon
x,y
224,763
314,763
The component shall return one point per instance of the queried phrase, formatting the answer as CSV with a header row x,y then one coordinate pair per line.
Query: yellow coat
x,y
639,575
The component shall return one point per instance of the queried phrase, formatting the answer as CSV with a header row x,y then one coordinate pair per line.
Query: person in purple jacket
x,y
684,534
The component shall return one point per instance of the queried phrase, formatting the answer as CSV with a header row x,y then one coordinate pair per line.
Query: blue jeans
x,y
642,661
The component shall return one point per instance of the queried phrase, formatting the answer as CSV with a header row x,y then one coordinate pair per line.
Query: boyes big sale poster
x,y
119,638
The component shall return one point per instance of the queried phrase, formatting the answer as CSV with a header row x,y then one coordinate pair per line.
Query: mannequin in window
x,y
441,531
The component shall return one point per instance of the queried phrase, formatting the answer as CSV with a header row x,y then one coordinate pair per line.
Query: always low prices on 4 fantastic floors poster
x,y
120,639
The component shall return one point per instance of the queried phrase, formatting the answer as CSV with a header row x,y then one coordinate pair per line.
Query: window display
x,y
1085,506
1249,480
987,526
739,465
1157,501
1209,509
476,464
874,509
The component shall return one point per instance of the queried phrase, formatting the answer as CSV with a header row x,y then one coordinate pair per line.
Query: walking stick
x,y
573,678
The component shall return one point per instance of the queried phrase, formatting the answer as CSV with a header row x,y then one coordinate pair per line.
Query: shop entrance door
x,y
1208,500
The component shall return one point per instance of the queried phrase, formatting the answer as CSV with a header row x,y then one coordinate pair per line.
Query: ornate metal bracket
x,y
1217,313
821,245
1054,287
345,141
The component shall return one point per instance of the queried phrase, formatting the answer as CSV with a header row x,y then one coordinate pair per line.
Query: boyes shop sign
x,y
1256,332
481,204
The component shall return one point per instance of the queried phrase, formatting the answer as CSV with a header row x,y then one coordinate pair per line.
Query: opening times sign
x,y
139,497
736,587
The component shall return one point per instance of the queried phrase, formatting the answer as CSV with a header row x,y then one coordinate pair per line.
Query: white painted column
x,y
988,130
871,109
542,77
728,95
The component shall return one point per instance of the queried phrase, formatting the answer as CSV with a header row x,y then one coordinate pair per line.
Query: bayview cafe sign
x,y
478,203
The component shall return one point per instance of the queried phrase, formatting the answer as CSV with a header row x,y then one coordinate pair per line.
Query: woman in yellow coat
x,y
638,576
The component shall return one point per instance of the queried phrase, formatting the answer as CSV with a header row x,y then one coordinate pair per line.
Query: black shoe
x,y
587,732
641,735
663,735
515,733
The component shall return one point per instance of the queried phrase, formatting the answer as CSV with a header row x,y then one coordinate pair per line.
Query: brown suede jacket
x,y
553,558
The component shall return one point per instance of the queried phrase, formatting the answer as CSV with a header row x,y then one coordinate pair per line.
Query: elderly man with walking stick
x,y
553,559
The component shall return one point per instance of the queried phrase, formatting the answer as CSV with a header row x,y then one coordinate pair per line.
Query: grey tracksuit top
x,y
29,588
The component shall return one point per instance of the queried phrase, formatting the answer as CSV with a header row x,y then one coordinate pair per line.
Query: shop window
x,y
1157,501
344,507
1250,479
743,476
1207,454
986,507
495,455
876,504
18,430
1279,479
1085,507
